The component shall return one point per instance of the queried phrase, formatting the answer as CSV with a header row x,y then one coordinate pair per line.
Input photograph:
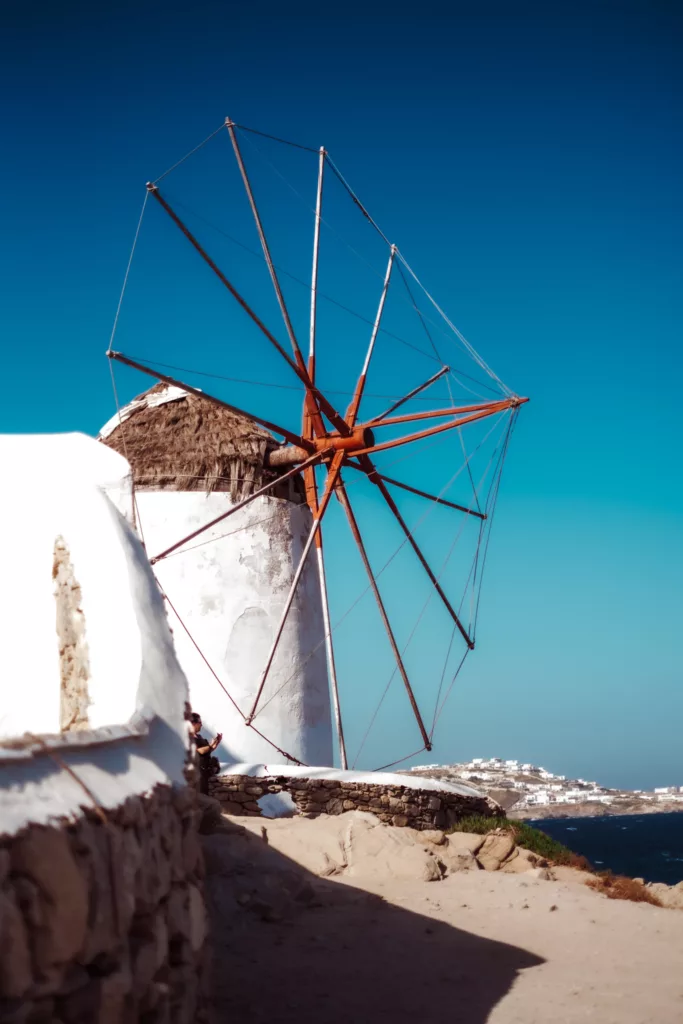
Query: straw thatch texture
x,y
190,444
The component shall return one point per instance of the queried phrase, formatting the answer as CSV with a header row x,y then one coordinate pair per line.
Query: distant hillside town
x,y
528,790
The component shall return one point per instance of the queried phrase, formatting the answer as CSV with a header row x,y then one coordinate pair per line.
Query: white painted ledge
x,y
258,771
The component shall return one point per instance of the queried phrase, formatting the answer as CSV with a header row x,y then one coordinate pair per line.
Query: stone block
x,y
43,857
4,865
128,870
239,797
15,1011
184,799
520,861
319,796
184,990
148,952
16,975
399,820
229,807
131,813
454,859
433,836
191,853
496,849
101,870
197,919
466,841
178,912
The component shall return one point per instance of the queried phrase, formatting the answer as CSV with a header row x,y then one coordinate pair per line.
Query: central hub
x,y
360,438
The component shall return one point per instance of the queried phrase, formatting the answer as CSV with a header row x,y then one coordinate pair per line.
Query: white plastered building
x,y
192,461
89,674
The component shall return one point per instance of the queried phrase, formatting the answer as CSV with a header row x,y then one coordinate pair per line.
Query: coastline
x,y
639,846
591,810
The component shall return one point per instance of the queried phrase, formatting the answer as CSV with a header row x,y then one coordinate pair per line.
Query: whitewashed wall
x,y
229,587
56,491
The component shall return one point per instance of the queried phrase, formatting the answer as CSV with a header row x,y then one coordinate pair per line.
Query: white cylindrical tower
x,y
192,461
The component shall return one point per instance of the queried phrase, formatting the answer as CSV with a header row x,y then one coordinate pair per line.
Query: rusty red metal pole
x,y
300,371
367,464
422,494
235,508
501,407
346,505
430,414
313,409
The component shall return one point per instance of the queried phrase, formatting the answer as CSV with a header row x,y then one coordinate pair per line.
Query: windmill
x,y
328,445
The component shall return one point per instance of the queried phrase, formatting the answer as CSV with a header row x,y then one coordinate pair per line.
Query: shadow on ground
x,y
288,946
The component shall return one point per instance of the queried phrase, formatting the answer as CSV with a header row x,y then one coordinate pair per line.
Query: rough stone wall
x,y
74,666
102,919
395,805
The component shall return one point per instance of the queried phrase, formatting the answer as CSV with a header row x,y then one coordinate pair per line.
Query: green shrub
x,y
525,836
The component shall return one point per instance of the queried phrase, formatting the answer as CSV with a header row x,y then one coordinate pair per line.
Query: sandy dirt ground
x,y
289,946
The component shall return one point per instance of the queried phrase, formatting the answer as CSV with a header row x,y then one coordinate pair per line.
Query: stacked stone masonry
x,y
395,805
102,919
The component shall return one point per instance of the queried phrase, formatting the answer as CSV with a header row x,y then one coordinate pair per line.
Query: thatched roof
x,y
179,442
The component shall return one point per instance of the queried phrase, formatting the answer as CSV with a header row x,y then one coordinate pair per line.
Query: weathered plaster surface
x,y
132,664
74,664
229,586
337,775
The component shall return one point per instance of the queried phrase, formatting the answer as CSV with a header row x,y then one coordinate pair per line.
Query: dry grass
x,y
193,445
619,887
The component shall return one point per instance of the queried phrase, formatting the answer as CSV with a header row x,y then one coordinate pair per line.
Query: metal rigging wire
x,y
492,494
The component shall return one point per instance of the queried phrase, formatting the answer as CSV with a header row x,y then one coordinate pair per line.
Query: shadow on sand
x,y
287,947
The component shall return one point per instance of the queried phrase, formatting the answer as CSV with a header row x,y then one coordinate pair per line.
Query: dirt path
x,y
476,947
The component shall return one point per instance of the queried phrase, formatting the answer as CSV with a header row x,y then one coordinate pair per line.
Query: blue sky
x,y
527,163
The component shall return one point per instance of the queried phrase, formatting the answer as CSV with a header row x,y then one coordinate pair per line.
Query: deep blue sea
x,y
648,846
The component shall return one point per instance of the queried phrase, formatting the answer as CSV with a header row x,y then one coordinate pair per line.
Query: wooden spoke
x,y
411,394
374,476
430,414
346,505
500,407
312,406
422,494
309,425
352,411
300,370
314,272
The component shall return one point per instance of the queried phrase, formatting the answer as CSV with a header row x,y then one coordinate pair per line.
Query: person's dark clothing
x,y
203,763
